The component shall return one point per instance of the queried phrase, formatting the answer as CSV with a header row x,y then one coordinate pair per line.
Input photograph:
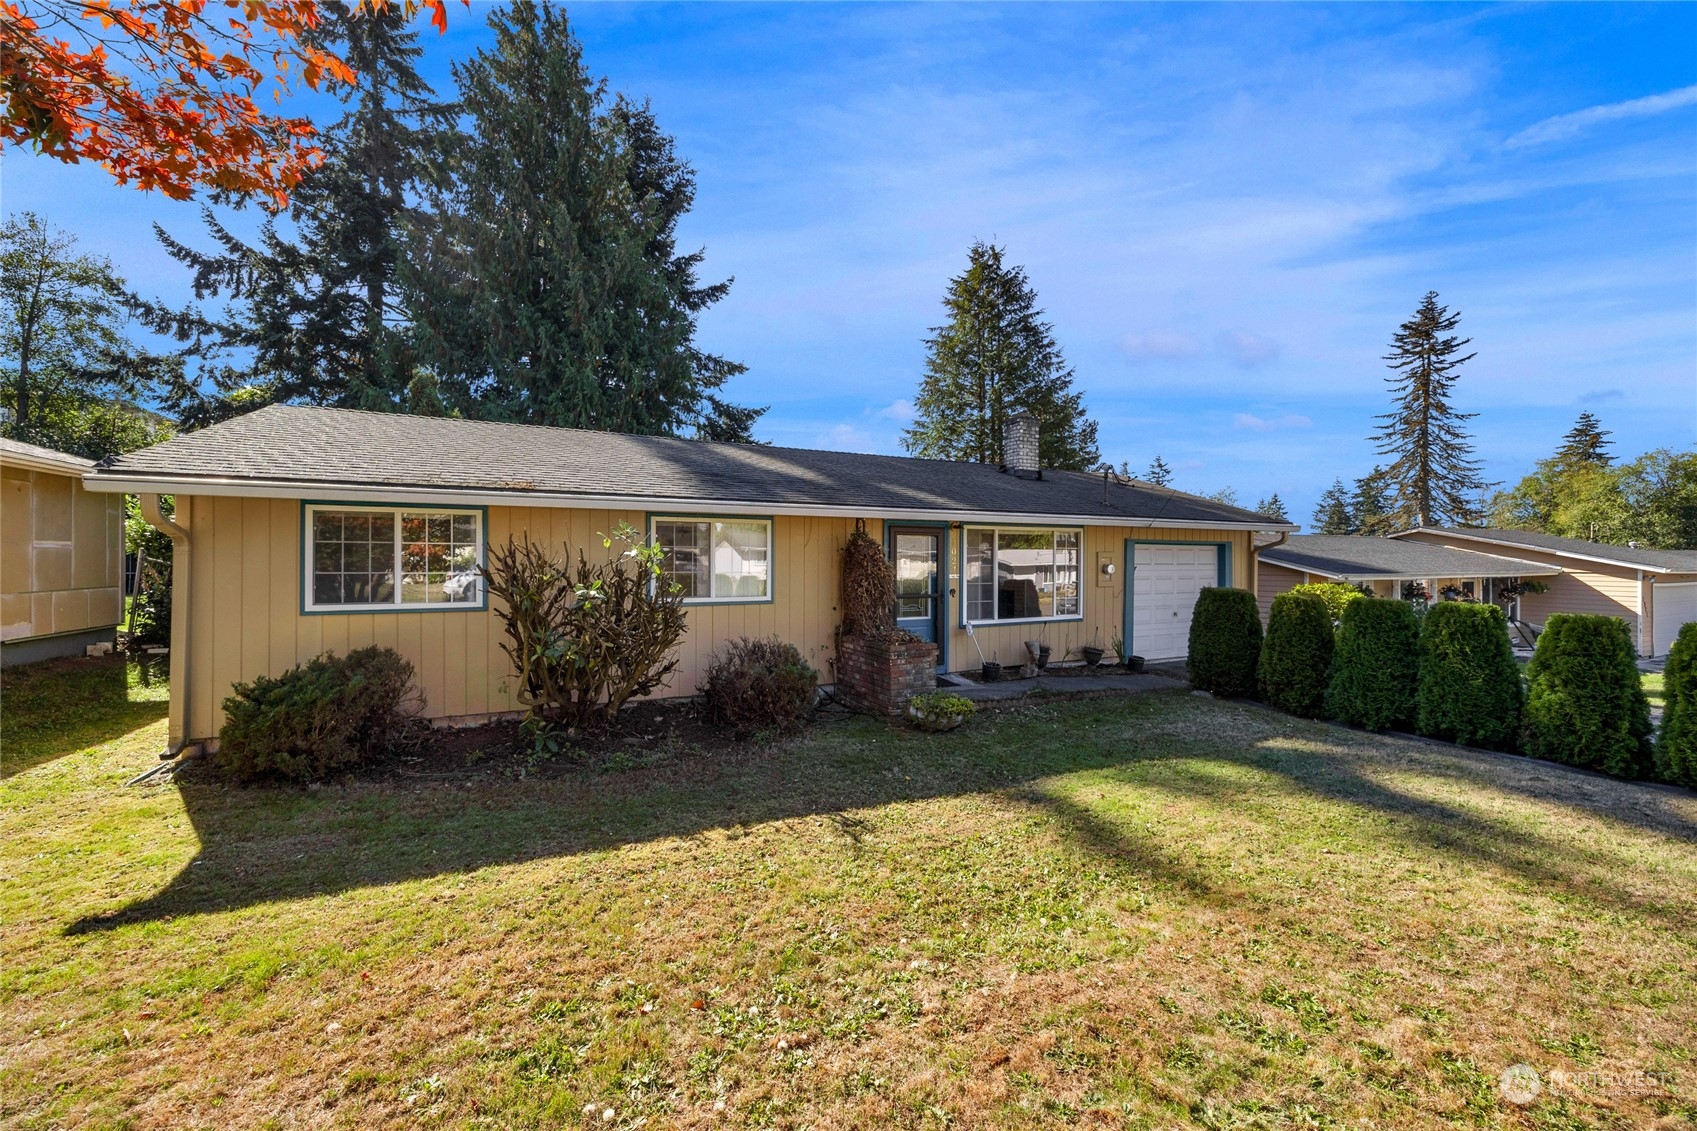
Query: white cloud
x,y
845,438
1263,424
1248,351
900,411
1566,125
1159,345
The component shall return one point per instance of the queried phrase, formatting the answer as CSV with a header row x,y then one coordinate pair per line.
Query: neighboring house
x,y
1384,564
302,530
1655,591
61,556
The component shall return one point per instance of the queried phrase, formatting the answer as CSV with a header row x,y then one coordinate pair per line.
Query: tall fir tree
x,y
548,288
1434,479
1273,507
315,312
1332,513
1585,445
1370,506
1159,473
994,356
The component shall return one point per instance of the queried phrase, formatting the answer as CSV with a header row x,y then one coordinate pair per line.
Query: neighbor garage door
x,y
1675,604
1164,583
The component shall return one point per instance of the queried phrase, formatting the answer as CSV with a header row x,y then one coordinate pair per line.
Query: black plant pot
x,y
1042,656
1092,656
992,671
1134,663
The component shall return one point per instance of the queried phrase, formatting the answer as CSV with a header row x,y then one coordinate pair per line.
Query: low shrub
x,y
1335,594
940,710
1297,654
328,714
754,685
1469,686
1676,745
1376,667
1585,702
1225,642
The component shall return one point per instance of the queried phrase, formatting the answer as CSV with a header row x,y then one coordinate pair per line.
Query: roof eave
x,y
1649,567
101,480
68,465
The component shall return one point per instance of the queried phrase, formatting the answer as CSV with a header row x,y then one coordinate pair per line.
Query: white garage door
x,y
1674,605
1164,583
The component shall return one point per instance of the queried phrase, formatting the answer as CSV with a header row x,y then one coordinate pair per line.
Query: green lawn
x,y
1653,688
1157,911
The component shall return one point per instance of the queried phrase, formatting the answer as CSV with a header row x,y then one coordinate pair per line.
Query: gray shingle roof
x,y
1671,561
35,453
327,448
1361,559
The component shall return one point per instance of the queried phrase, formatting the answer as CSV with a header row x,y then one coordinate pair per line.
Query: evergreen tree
x,y
1585,445
994,356
1331,514
1273,507
316,314
1370,507
1159,473
549,289
1434,480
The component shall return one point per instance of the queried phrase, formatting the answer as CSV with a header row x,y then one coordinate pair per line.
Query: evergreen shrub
x,y
1225,642
1470,689
1585,702
1297,654
1676,746
1375,669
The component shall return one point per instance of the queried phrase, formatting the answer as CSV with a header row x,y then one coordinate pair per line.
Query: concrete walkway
x,y
1108,680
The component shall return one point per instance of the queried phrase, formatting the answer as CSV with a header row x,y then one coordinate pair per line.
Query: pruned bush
x,y
1335,594
1296,654
585,639
755,685
1469,687
1676,745
1585,701
325,715
1376,667
1225,642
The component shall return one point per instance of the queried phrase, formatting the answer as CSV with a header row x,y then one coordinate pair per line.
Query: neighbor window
x,y
717,559
388,558
1021,574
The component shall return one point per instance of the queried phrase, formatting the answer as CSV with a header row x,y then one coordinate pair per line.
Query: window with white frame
x,y
1021,574
717,559
392,558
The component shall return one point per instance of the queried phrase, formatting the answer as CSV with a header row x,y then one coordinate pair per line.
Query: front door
x,y
918,557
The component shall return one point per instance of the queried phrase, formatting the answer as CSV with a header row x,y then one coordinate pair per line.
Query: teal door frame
x,y
1222,575
940,605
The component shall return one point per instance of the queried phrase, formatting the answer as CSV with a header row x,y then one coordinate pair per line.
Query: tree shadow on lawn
x,y
58,707
260,845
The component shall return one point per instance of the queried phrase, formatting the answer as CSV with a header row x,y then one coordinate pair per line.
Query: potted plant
x,y
1134,663
992,669
1092,654
940,710
1042,656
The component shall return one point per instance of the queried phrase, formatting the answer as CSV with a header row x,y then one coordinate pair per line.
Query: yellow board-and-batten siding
x,y
61,555
240,616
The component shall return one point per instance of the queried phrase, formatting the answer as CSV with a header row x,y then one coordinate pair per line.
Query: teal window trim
x,y
965,527
1222,572
771,521
304,575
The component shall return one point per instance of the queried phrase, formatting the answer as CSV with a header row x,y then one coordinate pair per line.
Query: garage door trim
x,y
1223,559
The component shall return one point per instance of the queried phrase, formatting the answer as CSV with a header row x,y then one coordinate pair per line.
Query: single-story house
x,y
61,556
303,530
1384,564
1655,591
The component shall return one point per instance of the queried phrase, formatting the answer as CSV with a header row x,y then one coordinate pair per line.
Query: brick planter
x,y
881,675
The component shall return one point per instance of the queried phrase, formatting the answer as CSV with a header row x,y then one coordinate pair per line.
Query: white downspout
x,y
1255,560
181,553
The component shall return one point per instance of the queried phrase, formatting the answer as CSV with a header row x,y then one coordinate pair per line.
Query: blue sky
x,y
1225,210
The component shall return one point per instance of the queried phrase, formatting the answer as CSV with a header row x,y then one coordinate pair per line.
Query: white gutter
x,y
350,493
181,573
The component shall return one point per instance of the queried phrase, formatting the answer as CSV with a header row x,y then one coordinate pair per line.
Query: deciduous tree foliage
x,y
548,288
994,356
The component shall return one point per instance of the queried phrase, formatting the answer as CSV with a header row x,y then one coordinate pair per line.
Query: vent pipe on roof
x,y
1019,446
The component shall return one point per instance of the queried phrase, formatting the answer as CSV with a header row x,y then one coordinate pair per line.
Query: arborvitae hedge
x,y
1676,746
1470,689
1225,642
1297,654
1376,666
1586,705
1336,594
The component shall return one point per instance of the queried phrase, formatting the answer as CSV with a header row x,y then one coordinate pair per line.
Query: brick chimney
x,y
1019,445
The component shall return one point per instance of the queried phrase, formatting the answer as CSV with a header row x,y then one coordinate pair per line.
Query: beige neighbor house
x,y
1654,591
305,530
1385,564
61,556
